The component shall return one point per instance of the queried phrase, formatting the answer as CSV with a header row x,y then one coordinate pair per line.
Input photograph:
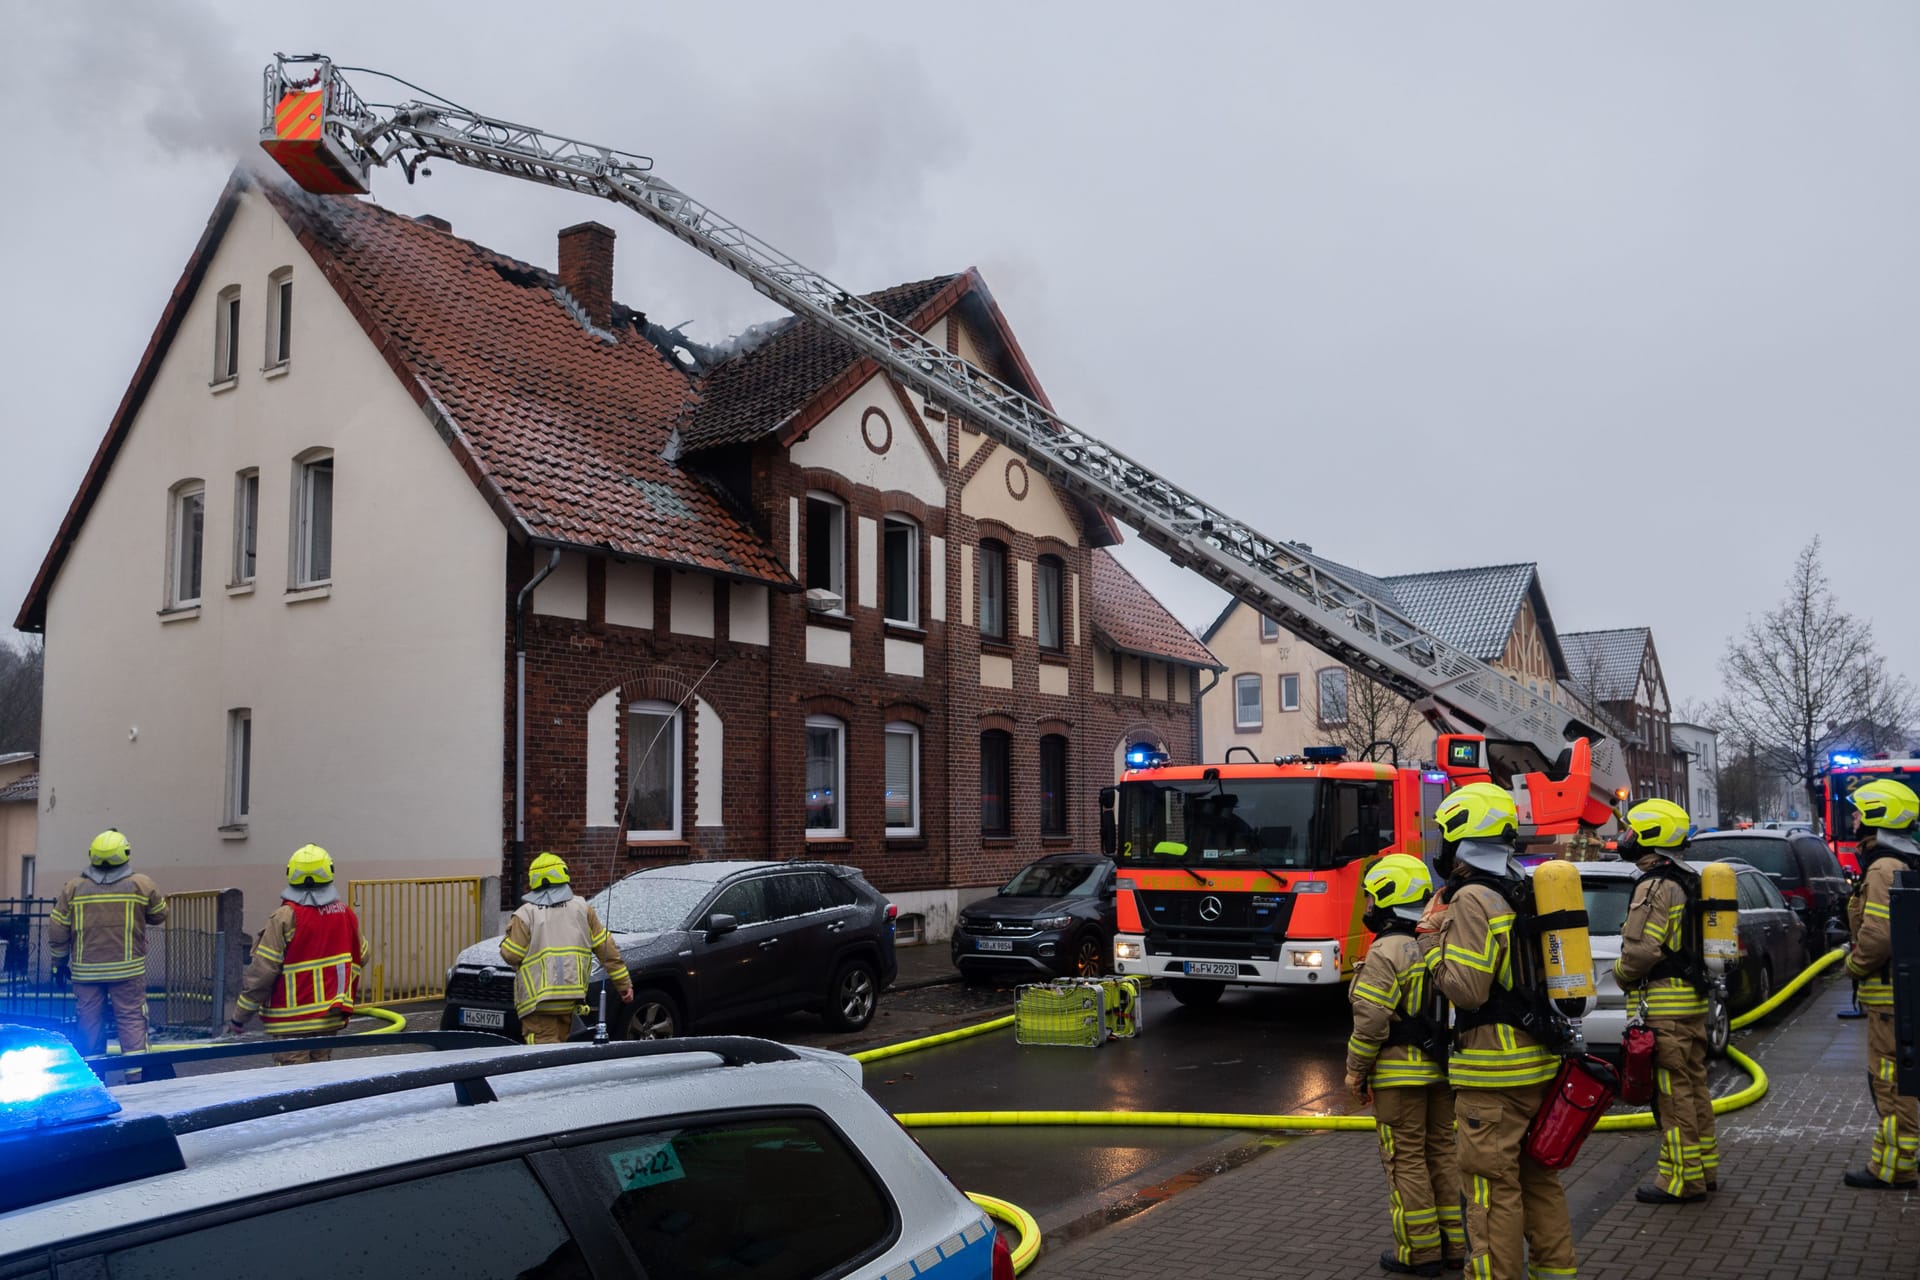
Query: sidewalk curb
x,y
920,984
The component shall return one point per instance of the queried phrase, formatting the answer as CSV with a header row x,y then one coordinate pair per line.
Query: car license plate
x,y
994,944
1212,969
492,1019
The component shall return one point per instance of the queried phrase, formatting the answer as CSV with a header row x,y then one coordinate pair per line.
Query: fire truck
x,y
1844,774
1247,867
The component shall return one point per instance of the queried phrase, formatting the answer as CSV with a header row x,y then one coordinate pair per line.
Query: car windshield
x,y
648,903
1236,821
1053,880
1607,901
1775,857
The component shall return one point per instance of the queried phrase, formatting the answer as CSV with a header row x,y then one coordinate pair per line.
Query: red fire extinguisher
x,y
1581,1094
1636,1065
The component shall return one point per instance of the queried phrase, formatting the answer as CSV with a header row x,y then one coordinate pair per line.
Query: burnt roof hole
x,y
524,277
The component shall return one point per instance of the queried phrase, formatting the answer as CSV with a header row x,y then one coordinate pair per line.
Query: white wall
x,y
378,710
870,440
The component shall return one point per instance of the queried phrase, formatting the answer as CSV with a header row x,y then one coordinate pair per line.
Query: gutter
x,y
1199,720
519,857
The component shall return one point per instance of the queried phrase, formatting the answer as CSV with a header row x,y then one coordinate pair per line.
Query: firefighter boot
x,y
1388,1262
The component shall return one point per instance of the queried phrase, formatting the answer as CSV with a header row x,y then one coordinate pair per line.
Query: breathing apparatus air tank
x,y
1566,951
1719,916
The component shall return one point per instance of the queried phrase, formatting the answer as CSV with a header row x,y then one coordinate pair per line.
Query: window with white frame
x,y
246,525
226,335
1290,693
826,777
1333,695
186,540
1246,702
900,584
903,779
313,521
653,771
1049,590
1269,629
993,589
279,317
239,766
827,546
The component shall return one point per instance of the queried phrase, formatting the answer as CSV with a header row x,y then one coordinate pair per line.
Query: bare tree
x,y
22,659
1804,678
1371,713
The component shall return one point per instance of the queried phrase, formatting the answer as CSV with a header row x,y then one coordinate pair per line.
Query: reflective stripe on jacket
x,y
1870,922
306,969
103,927
1390,986
551,949
1471,951
1656,924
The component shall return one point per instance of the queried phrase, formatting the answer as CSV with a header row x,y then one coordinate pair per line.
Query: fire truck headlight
x,y
1307,959
1123,950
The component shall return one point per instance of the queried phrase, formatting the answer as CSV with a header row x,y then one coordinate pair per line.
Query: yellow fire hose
x,y
389,1021
1029,1231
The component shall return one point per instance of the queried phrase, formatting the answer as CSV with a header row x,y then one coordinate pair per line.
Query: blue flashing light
x,y
44,1081
1323,755
1434,775
1841,758
1145,758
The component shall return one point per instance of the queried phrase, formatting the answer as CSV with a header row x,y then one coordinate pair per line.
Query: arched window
x,y
826,777
655,737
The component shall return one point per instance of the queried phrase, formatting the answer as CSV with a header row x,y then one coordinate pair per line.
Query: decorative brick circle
x,y
1017,479
885,442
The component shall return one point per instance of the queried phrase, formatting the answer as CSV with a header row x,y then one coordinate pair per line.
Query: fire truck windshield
x,y
1246,822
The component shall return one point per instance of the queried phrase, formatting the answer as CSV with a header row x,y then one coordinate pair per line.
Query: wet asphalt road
x,y
1256,1051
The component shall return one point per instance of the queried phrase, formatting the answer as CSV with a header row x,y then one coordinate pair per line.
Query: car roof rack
x,y
158,1064
65,1160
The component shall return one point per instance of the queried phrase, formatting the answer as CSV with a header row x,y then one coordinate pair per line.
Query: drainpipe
x,y
520,717
1200,721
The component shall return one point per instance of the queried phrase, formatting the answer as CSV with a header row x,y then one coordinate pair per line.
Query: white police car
x,y
722,1157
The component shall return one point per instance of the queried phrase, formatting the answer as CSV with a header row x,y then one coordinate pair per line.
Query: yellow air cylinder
x,y
1720,915
1566,952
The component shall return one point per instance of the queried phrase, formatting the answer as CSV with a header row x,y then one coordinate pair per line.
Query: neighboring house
x,y
772,603
1619,672
1701,748
1281,694
19,820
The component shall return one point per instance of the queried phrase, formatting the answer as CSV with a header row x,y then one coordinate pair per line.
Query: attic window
x,y
524,277
226,331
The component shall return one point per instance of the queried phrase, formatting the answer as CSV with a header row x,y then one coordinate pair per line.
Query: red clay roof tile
x,y
1130,617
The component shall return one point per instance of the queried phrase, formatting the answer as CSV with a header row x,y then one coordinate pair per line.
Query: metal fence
x,y
185,977
415,929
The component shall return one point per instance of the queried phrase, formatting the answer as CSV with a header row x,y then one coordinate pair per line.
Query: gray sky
x,y
1630,290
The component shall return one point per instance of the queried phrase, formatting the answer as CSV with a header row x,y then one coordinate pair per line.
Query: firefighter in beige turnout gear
x,y
98,936
1889,810
1517,1222
551,943
1398,1055
1661,963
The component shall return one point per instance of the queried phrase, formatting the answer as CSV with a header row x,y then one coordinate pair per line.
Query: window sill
x,y
183,613
839,621
238,831
220,385
318,591
276,370
906,843
996,842
239,588
905,630
1248,728
1055,658
839,844
993,644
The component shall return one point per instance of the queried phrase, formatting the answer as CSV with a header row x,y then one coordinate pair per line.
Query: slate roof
x,y
1606,664
753,394
21,790
1131,618
1471,609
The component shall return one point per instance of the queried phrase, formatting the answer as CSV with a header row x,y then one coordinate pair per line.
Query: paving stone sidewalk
x,y
1315,1209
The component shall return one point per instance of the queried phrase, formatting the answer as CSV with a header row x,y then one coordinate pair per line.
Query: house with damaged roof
x,y
437,558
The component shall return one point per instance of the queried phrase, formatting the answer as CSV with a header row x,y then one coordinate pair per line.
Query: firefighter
x,y
550,943
1889,811
307,962
1517,1223
98,936
1397,1054
1663,967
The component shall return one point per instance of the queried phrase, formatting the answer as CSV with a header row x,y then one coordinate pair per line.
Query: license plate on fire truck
x,y
1212,969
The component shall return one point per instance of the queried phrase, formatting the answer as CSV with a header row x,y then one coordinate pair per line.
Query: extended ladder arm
x,y
1458,693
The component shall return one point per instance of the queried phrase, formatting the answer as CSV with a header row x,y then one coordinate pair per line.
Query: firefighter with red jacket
x,y
1397,1056
307,962
1517,1222
1663,965
1889,811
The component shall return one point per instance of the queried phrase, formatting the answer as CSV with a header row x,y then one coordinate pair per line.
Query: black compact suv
x,y
1055,917
716,941
1800,865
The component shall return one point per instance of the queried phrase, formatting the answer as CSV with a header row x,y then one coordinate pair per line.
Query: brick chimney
x,y
586,269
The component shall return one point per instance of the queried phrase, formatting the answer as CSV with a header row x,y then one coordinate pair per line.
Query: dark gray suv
x,y
713,941
1056,916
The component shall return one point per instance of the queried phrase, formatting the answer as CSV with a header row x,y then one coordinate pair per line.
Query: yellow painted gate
x,y
415,928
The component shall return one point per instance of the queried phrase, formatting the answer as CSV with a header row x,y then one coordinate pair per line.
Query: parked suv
x,y
725,1156
707,941
1800,865
1055,917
